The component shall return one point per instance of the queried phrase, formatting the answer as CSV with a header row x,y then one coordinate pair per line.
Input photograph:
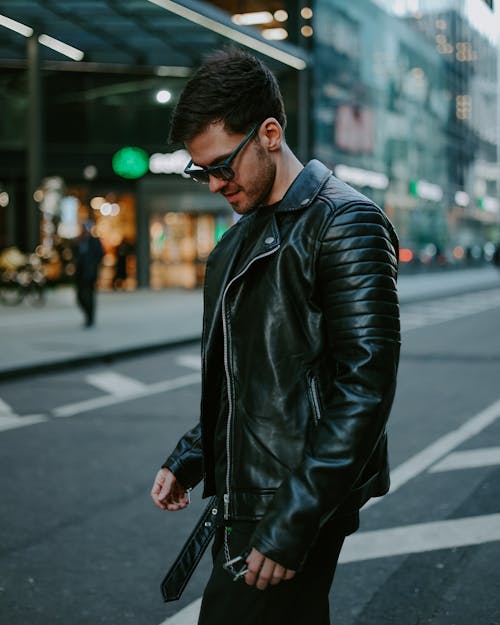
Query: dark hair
x,y
231,86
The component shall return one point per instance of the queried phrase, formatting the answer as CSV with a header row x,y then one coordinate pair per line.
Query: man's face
x,y
254,169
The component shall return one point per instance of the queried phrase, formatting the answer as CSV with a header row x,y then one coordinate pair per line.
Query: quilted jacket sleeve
x,y
186,461
356,285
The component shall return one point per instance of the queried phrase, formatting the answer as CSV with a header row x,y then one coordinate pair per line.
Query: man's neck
x,y
288,167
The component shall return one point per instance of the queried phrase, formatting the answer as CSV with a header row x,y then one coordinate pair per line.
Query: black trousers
x,y
85,292
302,600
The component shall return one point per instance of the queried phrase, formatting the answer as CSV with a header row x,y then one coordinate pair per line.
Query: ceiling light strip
x,y
232,33
45,40
22,29
62,48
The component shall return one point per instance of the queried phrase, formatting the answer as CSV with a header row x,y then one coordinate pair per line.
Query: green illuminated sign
x,y
220,228
130,162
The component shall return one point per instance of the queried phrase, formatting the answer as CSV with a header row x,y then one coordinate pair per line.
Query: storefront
x,y
179,224
113,211
156,232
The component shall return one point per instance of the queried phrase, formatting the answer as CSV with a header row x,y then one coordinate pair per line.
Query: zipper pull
x,y
226,506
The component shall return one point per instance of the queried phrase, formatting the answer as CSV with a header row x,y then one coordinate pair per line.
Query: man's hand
x,y
167,493
263,571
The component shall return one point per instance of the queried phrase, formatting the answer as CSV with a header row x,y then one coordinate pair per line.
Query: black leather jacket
x,y
304,334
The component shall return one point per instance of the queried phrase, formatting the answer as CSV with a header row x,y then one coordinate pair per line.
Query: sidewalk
x,y
36,339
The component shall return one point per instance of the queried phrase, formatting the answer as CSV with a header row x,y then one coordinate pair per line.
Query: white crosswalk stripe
x,y
421,537
423,314
186,616
191,361
71,410
115,383
468,459
9,420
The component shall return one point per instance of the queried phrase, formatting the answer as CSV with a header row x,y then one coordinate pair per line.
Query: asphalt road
x,y
82,544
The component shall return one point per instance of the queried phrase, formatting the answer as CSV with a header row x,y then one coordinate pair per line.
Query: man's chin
x,y
237,206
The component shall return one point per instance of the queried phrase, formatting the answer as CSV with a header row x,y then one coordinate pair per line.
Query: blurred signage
x,y
171,163
68,227
362,177
426,190
462,199
130,162
354,129
489,204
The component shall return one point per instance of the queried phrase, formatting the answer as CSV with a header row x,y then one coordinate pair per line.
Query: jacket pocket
x,y
314,399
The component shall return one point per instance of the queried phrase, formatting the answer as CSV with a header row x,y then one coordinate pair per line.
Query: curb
x,y
86,359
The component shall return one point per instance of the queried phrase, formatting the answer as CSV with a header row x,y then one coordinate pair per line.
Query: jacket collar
x,y
263,235
305,188
257,234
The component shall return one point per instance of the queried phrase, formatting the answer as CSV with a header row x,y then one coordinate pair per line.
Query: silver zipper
x,y
315,398
228,379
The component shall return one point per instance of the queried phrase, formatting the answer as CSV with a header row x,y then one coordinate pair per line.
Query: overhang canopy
x,y
160,33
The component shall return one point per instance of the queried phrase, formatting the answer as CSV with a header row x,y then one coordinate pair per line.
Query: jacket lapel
x,y
219,270
254,237
262,239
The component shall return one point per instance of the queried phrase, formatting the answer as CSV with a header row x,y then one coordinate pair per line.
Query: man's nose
x,y
216,184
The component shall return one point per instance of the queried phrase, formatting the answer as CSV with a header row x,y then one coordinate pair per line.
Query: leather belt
x,y
190,555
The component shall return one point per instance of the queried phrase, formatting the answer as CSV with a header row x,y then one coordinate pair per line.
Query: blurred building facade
x,y
405,107
399,99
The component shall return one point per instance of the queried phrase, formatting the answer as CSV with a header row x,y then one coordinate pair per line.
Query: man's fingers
x,y
254,563
166,488
265,574
278,574
263,571
157,489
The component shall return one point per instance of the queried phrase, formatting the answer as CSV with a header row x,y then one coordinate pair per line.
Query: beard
x,y
258,188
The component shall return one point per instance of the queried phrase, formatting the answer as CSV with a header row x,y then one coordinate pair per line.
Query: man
x,y
88,255
299,355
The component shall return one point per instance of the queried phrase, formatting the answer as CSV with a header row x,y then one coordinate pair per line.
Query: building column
x,y
33,143
304,112
142,241
304,81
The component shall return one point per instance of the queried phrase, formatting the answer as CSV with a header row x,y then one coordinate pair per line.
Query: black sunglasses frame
x,y
221,171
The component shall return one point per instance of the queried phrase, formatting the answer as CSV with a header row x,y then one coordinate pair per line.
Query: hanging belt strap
x,y
191,553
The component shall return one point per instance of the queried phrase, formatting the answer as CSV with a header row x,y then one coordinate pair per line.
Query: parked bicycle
x,y
26,282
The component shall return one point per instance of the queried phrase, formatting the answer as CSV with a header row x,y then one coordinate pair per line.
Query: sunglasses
x,y
221,171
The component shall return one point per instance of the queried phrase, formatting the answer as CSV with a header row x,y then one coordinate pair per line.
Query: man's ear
x,y
271,134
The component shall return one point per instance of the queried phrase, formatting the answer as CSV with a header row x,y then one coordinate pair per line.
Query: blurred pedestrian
x,y
122,252
300,352
496,256
88,254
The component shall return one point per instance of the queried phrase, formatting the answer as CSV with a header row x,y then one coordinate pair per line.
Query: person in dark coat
x,y
88,257
122,252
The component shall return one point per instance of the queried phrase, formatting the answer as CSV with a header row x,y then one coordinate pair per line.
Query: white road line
x,y
435,451
420,538
115,383
9,420
191,361
5,409
13,422
70,410
468,459
420,315
186,616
